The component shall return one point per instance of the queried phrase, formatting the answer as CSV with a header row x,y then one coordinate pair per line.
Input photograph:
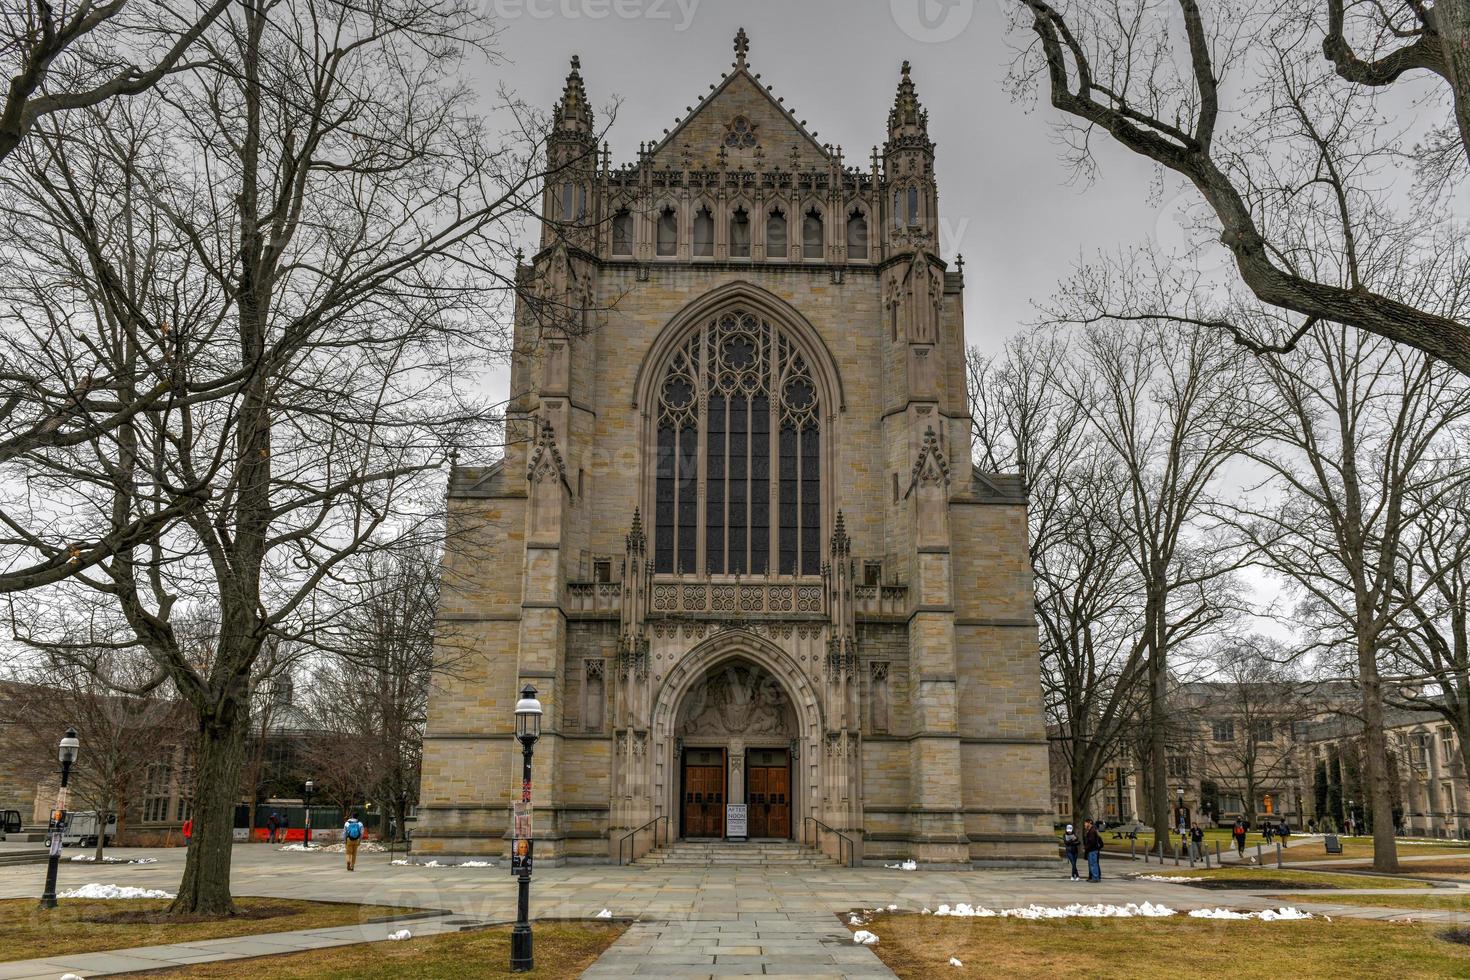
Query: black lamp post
x,y
528,730
67,753
307,806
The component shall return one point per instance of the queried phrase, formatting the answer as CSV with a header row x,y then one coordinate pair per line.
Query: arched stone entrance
x,y
737,720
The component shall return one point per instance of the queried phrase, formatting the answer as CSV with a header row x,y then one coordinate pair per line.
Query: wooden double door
x,y
703,811
768,792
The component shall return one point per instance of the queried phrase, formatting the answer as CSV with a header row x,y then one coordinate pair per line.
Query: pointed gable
x,y
746,120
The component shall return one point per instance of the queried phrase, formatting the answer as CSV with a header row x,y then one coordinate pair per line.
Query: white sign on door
x,y
735,820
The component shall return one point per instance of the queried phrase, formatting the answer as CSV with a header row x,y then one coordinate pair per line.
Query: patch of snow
x,y
909,865
95,890
476,864
70,976
1147,910
400,935
115,860
856,920
864,938
604,914
925,912
399,861
893,908
1265,915
1169,878
363,847
301,847
954,961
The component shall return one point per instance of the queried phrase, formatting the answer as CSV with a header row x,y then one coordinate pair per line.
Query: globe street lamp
x,y
307,805
528,730
67,754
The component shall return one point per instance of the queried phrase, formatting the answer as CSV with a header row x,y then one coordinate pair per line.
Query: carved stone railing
x,y
674,596
594,597
880,600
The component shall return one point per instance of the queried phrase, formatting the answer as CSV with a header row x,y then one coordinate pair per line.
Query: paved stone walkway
x,y
728,921
214,950
810,945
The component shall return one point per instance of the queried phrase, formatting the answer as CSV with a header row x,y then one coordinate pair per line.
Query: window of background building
x,y
1224,731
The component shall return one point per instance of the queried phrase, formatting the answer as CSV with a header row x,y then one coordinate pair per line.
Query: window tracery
x,y
739,397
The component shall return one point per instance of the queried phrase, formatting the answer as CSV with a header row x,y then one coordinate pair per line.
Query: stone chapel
x,y
736,540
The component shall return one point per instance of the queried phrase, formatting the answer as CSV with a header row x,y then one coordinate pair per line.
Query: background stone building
x,y
736,540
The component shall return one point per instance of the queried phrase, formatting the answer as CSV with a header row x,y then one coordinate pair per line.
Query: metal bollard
x,y
1278,854
1176,855
1191,856
1258,855
1217,852
1133,849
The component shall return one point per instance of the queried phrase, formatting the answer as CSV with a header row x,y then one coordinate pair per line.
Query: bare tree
x,y
334,228
1352,428
1087,594
369,699
1172,407
1289,151
76,54
1432,654
1246,716
121,736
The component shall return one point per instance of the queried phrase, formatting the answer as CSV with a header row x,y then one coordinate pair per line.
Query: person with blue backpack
x,y
352,836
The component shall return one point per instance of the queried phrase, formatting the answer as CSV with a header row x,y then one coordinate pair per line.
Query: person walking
x,y
283,833
1238,832
1268,830
1070,845
352,837
188,831
1092,845
271,823
1196,841
1284,832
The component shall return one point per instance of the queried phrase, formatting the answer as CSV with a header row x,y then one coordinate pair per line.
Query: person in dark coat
x,y
1238,832
1092,845
1196,841
1071,843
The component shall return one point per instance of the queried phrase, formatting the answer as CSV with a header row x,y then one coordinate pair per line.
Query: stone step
x,y
730,854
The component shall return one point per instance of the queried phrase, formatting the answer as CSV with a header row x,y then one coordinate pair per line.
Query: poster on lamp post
x,y
520,856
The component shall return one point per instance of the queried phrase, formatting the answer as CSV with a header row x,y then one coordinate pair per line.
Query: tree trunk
x,y
104,803
205,888
1158,740
1375,752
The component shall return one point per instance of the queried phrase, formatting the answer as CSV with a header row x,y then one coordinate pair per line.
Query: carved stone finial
x,y
573,114
742,47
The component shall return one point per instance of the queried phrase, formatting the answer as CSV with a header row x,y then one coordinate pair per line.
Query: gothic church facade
x,y
737,542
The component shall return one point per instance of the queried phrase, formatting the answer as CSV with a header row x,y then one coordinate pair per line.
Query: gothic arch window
x,y
704,232
898,207
740,234
913,204
811,235
739,397
857,235
668,232
622,237
776,240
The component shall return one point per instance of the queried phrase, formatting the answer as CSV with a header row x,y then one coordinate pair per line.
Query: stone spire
x,y
907,118
573,114
742,48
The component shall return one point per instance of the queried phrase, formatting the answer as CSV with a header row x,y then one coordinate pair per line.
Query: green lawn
x,y
562,949
1165,949
94,925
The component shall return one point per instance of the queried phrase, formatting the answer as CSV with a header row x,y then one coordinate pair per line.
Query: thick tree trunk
x,y
1375,752
1158,737
1451,21
104,803
205,888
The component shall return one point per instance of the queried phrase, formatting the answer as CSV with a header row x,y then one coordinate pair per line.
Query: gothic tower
x,y
737,541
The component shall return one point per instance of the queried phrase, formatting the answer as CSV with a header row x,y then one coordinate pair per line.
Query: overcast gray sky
x,y
1005,196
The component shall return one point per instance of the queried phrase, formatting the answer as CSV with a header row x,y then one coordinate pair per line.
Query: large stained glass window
x,y
740,398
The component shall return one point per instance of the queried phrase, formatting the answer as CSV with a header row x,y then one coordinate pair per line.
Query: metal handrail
x,y
652,823
842,839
